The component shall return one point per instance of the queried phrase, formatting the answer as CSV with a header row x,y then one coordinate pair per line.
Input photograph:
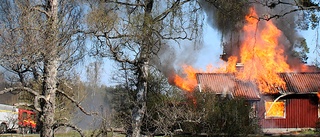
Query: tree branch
x,y
39,8
125,3
173,7
24,104
35,105
78,104
29,90
273,4
33,92
116,54
269,17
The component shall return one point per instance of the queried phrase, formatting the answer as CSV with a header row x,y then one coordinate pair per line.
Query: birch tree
x,y
132,32
39,41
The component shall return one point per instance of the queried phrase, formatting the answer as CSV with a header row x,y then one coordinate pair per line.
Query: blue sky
x,y
311,37
211,52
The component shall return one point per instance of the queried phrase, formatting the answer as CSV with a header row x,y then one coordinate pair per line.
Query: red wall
x,y
301,112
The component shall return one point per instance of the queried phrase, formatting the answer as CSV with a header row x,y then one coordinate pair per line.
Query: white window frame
x,y
253,112
318,110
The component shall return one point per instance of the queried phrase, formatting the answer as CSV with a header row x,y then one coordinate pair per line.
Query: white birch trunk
x,y
141,106
50,72
143,70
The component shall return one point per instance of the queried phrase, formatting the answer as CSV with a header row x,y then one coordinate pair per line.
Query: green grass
x,y
19,135
69,134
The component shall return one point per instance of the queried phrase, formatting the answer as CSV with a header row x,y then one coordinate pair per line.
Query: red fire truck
x,y
13,119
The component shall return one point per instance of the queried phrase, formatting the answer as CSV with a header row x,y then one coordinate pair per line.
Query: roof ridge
x,y
220,73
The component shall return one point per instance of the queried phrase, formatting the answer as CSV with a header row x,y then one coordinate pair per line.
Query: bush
x,y
226,115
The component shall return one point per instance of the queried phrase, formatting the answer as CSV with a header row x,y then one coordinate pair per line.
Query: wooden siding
x,y
301,112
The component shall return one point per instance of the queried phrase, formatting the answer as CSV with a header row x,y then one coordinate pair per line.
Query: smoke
x,y
165,60
170,59
95,100
228,18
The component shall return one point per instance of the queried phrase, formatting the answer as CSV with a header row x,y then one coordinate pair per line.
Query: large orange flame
x,y
261,54
275,109
189,82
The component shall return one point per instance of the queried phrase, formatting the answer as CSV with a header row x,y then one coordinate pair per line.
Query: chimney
x,y
239,67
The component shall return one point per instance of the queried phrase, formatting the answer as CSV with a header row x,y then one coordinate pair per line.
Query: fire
x,y
276,110
231,64
261,54
189,82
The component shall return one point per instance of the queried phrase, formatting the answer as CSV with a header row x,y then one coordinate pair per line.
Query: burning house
x,y
294,107
282,89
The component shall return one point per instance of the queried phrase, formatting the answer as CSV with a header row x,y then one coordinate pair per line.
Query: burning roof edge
x,y
231,85
296,83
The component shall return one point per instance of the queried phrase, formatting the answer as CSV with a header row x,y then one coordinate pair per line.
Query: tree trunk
x,y
49,91
50,71
143,70
140,106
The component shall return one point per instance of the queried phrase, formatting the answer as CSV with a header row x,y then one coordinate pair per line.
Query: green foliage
x,y
308,18
121,103
227,14
317,129
193,114
102,19
301,50
225,115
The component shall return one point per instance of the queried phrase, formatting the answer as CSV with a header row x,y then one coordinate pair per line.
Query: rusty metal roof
x,y
302,82
246,90
216,82
220,83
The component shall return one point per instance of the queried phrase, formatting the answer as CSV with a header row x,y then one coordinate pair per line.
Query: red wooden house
x,y
294,108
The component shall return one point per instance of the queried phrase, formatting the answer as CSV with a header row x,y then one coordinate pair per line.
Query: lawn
x,y
70,134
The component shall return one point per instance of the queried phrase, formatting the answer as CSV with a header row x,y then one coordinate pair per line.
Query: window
x,y
275,109
24,115
253,112
318,110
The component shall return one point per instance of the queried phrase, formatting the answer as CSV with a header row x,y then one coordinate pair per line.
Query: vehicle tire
x,y
25,130
3,128
28,130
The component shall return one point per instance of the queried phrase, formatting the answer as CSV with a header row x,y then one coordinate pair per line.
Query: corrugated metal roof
x,y
302,82
222,83
246,90
213,82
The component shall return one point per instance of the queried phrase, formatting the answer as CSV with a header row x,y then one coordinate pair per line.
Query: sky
x,y
210,53
311,37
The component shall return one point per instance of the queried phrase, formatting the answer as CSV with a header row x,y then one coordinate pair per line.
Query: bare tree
x,y
132,32
40,42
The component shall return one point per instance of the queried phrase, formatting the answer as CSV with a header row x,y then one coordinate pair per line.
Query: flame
x,y
231,64
276,110
261,54
189,82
